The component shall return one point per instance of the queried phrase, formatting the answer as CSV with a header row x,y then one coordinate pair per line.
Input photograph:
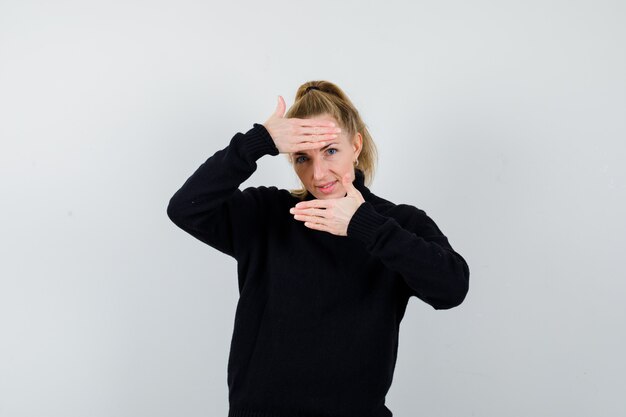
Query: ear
x,y
357,144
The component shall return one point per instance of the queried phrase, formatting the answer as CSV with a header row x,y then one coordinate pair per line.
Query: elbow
x,y
457,294
172,212
455,299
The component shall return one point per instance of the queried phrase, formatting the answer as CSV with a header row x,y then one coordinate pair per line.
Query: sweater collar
x,y
359,184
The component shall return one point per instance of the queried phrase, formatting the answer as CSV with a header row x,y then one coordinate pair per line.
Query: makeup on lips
x,y
329,188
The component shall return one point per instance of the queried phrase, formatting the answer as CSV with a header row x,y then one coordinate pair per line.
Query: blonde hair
x,y
315,98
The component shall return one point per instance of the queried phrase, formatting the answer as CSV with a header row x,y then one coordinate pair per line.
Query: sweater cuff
x,y
258,142
365,222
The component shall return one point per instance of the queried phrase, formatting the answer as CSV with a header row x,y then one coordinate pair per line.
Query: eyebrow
x,y
321,149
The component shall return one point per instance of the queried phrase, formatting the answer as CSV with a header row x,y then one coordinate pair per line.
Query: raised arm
x,y
210,206
420,253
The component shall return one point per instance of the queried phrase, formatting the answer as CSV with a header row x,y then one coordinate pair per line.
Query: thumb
x,y
346,180
280,107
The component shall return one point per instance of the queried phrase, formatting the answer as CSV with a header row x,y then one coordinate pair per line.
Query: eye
x,y
299,161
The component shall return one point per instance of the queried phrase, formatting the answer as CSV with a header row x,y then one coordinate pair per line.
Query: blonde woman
x,y
325,271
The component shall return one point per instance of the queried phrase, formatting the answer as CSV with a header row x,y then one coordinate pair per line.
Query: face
x,y
318,167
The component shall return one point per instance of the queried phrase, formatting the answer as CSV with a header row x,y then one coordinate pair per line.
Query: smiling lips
x,y
327,184
330,188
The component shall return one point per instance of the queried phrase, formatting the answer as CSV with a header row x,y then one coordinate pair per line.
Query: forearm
x,y
210,206
431,268
221,174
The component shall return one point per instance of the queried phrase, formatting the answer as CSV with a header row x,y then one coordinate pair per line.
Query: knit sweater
x,y
317,320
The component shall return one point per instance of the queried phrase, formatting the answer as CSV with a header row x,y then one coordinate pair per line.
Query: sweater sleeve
x,y
210,206
421,254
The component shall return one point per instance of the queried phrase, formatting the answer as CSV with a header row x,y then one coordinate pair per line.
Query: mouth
x,y
327,187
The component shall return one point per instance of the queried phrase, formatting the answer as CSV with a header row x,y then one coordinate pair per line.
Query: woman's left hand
x,y
331,215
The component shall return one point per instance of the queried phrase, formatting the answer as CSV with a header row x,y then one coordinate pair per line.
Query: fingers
x,y
309,127
310,213
327,137
316,130
329,132
313,122
303,146
316,134
315,126
313,141
315,203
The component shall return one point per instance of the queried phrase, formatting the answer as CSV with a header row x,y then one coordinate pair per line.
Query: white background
x,y
504,121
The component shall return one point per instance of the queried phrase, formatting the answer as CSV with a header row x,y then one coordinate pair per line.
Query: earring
x,y
357,162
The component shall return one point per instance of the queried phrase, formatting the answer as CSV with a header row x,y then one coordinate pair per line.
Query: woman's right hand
x,y
294,135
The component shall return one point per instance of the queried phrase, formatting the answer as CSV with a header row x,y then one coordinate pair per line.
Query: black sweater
x,y
316,324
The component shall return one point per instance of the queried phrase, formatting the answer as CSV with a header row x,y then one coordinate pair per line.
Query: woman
x,y
324,272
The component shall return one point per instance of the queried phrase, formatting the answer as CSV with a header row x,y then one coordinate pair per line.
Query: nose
x,y
319,169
